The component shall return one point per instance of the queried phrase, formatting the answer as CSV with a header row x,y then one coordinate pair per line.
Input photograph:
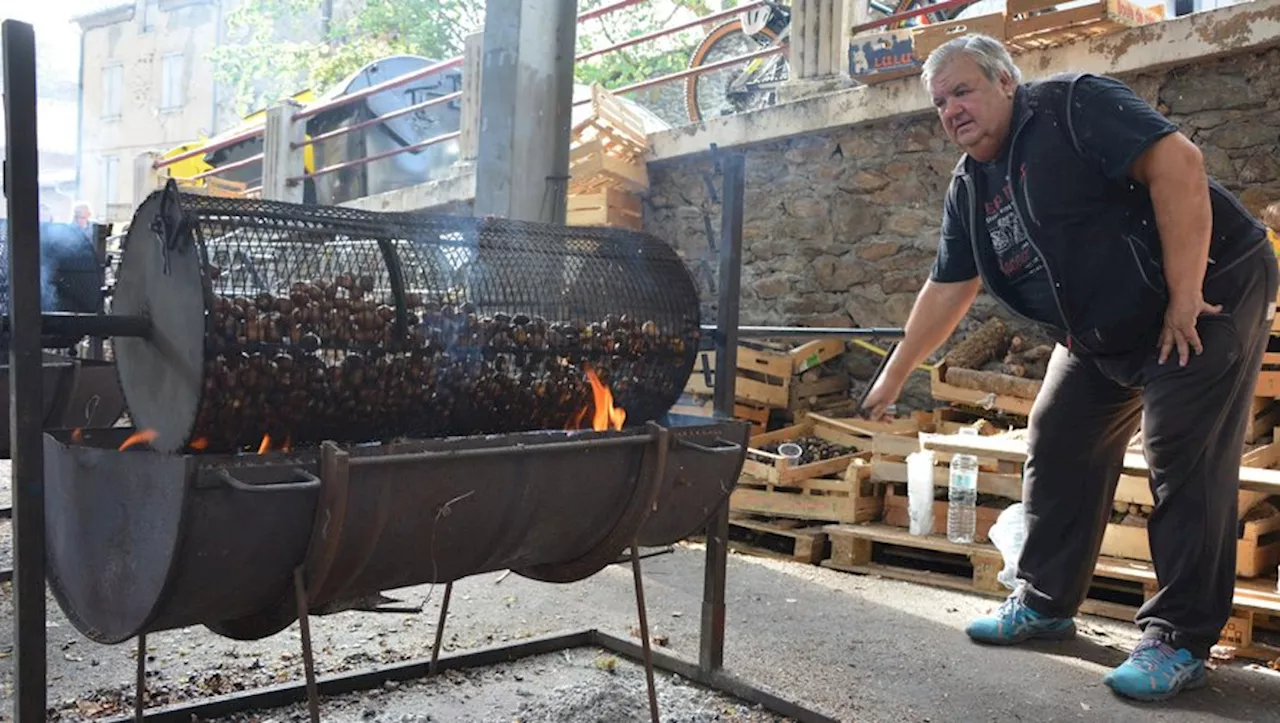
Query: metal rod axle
x,y
58,323
817,332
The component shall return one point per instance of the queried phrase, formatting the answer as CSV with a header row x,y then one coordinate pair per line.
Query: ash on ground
x,y
583,685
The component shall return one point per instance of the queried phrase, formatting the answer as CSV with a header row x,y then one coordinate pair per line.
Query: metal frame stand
x,y
26,324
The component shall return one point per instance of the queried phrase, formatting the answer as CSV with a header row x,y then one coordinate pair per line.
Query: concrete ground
x,y
858,648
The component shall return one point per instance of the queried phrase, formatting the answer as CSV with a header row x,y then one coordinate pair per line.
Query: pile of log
x,y
993,359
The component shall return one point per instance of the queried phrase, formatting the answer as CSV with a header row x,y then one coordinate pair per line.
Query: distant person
x,y
82,218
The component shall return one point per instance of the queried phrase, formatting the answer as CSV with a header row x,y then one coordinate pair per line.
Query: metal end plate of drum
x,y
161,376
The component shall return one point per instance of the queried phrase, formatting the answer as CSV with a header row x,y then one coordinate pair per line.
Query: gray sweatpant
x,y
1194,420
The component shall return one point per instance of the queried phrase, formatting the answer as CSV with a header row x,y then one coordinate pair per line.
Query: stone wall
x,y
841,228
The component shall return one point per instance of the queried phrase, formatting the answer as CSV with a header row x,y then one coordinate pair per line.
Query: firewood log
x,y
987,342
1002,384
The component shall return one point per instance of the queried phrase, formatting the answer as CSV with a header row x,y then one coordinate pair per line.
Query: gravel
x,y
854,647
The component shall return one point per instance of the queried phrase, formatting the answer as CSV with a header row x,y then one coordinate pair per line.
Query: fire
x,y
266,444
77,435
144,436
199,444
606,416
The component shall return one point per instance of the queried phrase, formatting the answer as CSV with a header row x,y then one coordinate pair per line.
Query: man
x,y
1081,208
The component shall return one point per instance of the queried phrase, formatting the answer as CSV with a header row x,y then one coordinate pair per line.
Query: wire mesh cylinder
x,y
301,324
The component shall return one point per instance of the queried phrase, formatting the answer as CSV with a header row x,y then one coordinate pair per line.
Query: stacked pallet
x,y
1125,557
774,380
782,495
607,170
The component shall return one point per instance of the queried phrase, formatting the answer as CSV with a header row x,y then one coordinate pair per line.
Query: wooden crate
x,y
1036,24
605,207
776,469
774,377
943,391
607,148
850,497
697,406
927,38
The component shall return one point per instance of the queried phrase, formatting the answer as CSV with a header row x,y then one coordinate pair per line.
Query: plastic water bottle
x,y
962,496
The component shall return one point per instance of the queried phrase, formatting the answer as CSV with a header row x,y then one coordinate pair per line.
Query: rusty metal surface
x,y
142,541
139,541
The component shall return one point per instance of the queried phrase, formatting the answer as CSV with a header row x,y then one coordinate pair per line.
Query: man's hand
x,y
1180,326
883,393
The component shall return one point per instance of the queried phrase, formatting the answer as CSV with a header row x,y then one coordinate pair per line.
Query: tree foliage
x,y
277,48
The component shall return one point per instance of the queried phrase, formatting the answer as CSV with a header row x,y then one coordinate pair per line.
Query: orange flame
x,y
141,437
199,444
266,444
77,435
606,416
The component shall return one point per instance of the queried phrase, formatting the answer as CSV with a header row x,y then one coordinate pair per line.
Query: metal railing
x,y
316,108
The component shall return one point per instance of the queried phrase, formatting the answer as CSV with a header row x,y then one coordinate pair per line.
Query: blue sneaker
x,y
1155,671
1014,623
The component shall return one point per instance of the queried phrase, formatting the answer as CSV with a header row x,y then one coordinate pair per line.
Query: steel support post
x,y
733,171
21,171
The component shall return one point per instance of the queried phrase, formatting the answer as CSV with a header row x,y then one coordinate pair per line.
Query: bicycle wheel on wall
x,y
707,95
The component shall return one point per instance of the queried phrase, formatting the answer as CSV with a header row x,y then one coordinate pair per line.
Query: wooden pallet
x,y
1118,589
807,544
1259,542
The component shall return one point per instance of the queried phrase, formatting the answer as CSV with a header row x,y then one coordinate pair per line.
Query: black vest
x,y
1097,236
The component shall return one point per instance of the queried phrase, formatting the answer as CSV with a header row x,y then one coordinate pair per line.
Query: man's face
x,y
975,112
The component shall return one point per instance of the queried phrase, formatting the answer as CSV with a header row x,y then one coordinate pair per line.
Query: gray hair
x,y
986,51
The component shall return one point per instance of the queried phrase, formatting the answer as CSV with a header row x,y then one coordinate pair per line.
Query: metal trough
x,y
75,393
140,541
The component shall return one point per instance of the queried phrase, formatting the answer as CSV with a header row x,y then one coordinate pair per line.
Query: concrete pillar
x,y
819,55
526,97
469,130
280,161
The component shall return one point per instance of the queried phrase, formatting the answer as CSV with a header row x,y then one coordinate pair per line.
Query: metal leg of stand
x,y
22,191
644,633
711,649
308,661
140,685
733,167
444,613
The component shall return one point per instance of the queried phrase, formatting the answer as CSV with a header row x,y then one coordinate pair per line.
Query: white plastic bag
x,y
920,492
1007,535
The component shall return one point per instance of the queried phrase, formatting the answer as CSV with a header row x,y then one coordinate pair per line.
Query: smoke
x,y
70,276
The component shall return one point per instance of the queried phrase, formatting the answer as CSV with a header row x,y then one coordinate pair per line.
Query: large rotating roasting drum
x,y
303,324
381,400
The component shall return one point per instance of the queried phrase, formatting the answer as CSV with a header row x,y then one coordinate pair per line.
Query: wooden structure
x,y
607,170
